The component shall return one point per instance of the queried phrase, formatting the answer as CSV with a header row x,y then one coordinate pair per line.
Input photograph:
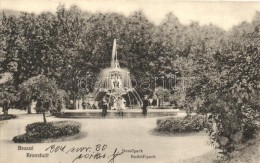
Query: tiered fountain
x,y
114,82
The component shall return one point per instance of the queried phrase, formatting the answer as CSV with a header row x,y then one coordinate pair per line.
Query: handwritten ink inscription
x,y
98,152
94,153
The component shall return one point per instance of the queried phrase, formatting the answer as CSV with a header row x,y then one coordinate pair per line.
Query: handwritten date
x,y
86,152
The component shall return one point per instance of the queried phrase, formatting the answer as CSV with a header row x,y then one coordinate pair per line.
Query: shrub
x,y
38,132
28,138
250,130
230,134
181,124
6,117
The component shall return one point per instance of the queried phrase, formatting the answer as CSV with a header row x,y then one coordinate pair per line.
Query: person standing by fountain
x,y
146,103
104,107
120,106
84,105
113,101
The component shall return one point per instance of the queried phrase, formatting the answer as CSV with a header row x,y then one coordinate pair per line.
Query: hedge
x,y
181,124
6,117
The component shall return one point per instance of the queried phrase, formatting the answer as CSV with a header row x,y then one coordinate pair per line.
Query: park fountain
x,y
116,81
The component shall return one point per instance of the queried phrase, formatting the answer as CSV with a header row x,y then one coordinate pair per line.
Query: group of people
x,y
120,106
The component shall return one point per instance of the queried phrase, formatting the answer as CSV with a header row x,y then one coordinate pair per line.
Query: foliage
x,y
39,132
162,94
43,90
220,68
8,96
231,91
6,117
181,124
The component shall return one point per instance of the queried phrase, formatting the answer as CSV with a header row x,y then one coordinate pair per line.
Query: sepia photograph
x,y
129,81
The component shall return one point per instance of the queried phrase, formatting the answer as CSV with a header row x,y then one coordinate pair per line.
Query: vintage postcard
x,y
129,81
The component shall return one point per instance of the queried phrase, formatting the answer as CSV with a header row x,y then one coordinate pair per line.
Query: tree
x,y
230,91
162,94
43,90
135,51
8,96
73,49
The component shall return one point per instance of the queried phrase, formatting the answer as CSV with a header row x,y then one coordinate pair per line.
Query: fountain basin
x,y
129,113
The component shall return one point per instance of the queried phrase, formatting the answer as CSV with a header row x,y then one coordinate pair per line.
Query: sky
x,y
222,14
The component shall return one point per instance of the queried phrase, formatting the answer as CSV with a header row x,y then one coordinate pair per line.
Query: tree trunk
x,y
74,91
29,108
44,117
162,101
188,111
5,110
74,103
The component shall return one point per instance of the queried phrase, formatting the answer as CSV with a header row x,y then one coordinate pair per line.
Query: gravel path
x,y
115,133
